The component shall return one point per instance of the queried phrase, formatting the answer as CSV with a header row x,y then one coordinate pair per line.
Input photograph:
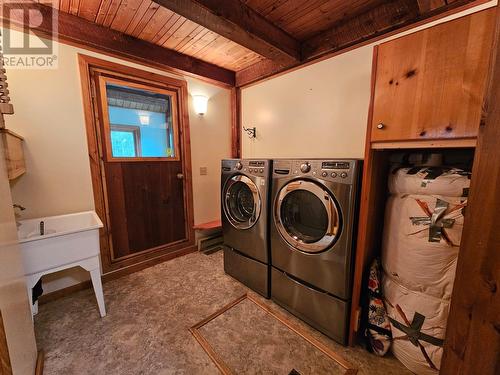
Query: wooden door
x,y
430,84
143,180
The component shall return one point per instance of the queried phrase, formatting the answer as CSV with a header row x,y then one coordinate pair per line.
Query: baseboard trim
x,y
39,362
52,296
147,263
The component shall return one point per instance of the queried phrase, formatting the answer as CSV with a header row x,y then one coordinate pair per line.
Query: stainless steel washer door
x,y
242,204
307,216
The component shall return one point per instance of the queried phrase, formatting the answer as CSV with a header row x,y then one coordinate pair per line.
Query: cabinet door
x,y
430,84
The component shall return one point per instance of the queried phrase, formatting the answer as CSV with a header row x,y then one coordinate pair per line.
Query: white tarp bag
x,y
449,182
416,255
418,325
423,226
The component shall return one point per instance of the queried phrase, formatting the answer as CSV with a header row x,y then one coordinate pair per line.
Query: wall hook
x,y
252,132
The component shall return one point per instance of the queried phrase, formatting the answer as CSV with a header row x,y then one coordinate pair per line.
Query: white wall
x,y
210,142
49,115
317,111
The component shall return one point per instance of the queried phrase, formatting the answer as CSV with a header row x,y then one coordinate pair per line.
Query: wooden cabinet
x,y
427,93
13,153
430,84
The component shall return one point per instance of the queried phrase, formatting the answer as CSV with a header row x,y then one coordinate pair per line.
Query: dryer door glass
x,y
307,216
241,202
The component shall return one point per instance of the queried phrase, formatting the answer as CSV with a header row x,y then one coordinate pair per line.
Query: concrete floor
x,y
146,329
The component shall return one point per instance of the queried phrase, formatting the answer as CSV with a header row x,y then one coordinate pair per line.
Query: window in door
x,y
141,122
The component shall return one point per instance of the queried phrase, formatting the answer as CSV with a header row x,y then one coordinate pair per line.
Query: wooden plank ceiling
x,y
146,20
255,38
304,19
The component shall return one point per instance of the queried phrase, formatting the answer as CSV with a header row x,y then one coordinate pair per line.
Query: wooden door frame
x,y
236,122
157,255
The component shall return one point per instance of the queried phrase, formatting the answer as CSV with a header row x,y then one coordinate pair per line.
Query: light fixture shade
x,y
200,103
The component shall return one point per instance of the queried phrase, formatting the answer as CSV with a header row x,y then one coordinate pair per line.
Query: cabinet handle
x,y
380,126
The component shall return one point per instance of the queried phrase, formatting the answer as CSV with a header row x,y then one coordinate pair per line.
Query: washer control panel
x,y
251,167
328,170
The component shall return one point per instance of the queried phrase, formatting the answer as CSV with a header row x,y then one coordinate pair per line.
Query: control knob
x,y
305,167
239,166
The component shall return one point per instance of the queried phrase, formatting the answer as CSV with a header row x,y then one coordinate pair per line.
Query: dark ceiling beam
x,y
388,16
77,31
237,22
386,19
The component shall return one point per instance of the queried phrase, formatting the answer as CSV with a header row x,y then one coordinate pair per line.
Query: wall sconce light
x,y
200,103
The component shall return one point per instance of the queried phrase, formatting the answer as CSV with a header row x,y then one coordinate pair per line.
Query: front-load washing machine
x,y
312,240
244,199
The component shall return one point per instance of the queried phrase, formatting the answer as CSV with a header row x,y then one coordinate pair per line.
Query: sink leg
x,y
30,299
31,280
95,275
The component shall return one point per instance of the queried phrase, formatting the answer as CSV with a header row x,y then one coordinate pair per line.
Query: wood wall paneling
x,y
430,85
472,344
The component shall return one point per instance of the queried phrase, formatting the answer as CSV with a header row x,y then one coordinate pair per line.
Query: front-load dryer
x,y
244,199
312,240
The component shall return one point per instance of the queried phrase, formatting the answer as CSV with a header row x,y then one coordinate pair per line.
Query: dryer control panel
x,y
246,166
335,170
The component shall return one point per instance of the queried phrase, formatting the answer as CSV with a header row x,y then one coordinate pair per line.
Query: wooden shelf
x,y
216,224
14,154
434,143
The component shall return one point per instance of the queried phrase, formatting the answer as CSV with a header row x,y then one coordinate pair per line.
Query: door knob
x,y
180,176
380,126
